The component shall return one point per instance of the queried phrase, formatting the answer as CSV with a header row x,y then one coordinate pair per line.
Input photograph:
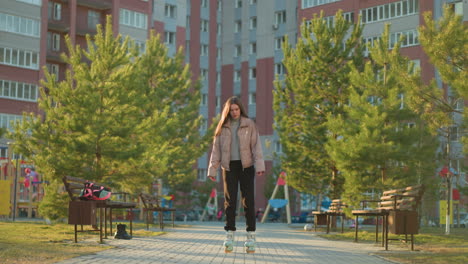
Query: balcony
x,y
83,31
58,26
95,4
54,56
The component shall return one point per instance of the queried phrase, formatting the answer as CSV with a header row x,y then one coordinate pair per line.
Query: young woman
x,y
237,148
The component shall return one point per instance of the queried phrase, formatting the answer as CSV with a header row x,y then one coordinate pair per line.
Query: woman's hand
x,y
260,173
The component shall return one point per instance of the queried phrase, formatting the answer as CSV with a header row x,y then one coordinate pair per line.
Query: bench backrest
x,y
405,199
337,206
150,201
74,185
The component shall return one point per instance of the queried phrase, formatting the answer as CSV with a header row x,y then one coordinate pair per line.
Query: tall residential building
x,y
22,45
232,46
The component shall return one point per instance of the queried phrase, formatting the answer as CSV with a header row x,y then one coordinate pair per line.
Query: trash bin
x,y
321,219
403,222
82,213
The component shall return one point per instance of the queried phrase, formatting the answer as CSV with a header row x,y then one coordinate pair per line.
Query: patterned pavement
x,y
202,243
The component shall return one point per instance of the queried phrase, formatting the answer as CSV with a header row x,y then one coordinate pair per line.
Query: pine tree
x,y
315,86
118,118
384,143
89,117
169,102
446,44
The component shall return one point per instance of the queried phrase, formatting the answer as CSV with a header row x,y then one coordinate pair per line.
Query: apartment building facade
x,y
233,47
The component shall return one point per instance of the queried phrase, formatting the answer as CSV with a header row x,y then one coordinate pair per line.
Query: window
x,y
141,45
280,17
220,5
253,48
32,2
279,68
312,3
238,3
201,174
204,99
252,98
253,73
416,65
453,133
349,17
169,38
55,11
6,120
457,8
237,50
390,11
3,152
204,3
237,76
253,23
218,77
279,42
410,38
133,19
55,42
19,25
19,58
53,69
170,11
204,74
219,29
204,50
94,19
204,25
330,21
278,147
218,53
9,89
253,2
237,26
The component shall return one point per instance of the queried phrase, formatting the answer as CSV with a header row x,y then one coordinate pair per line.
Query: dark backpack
x,y
92,191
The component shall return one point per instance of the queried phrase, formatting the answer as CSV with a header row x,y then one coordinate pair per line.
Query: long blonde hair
x,y
225,116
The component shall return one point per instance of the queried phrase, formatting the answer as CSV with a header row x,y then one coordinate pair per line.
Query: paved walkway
x,y
202,243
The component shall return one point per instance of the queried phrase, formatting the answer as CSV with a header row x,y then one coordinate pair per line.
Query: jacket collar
x,y
241,122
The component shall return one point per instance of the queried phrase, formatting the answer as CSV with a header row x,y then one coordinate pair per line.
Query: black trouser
x,y
246,178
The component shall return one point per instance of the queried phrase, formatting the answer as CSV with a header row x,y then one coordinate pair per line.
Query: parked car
x,y
303,217
463,220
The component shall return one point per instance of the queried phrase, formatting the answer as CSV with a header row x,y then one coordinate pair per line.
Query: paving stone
x,y
202,243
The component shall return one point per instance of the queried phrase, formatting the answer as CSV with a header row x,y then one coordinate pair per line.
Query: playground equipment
x,y
210,207
21,188
279,203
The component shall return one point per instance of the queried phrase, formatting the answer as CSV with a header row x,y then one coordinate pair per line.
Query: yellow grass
x,y
37,242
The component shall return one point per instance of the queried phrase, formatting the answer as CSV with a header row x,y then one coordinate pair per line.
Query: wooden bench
x,y
83,212
151,203
326,217
398,209
335,210
320,218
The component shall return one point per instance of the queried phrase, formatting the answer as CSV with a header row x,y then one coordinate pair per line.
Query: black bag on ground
x,y
121,233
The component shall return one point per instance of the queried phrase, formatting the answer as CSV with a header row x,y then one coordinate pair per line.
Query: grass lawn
x,y
431,245
37,242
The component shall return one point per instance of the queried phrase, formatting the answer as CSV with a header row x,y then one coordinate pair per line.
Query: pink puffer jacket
x,y
249,144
